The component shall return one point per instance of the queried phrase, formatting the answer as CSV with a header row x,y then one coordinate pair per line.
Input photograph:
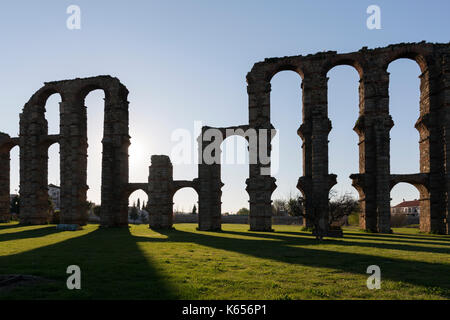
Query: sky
x,y
186,61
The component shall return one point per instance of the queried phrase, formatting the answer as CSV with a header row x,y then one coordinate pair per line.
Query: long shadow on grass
x,y
112,267
9,226
25,234
420,239
295,240
413,272
397,235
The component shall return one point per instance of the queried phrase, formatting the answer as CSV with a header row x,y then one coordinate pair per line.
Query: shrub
x,y
243,212
399,220
353,219
55,219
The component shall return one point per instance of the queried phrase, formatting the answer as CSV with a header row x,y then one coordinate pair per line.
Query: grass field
x,y
138,263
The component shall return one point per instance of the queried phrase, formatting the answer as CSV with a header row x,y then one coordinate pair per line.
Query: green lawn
x,y
137,263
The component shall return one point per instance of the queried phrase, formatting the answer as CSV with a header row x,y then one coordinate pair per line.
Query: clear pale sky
x,y
186,61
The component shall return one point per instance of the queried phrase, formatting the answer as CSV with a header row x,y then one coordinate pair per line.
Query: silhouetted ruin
x,y
373,182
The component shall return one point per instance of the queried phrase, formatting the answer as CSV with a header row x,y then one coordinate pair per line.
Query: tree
x,y
243,212
194,210
97,210
134,215
144,218
279,206
15,205
295,206
139,204
342,206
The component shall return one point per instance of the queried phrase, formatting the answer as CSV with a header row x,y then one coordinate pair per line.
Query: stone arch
x,y
286,99
352,60
421,183
136,187
234,166
423,59
73,151
133,187
184,184
209,184
285,67
430,149
355,62
34,144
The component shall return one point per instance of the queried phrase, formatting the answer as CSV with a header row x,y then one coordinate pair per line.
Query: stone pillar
x,y
445,118
383,125
434,128
316,181
73,160
4,179
373,128
116,140
34,203
305,182
160,196
209,186
260,185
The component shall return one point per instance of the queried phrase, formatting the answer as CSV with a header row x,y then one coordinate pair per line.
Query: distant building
x,y
411,208
54,192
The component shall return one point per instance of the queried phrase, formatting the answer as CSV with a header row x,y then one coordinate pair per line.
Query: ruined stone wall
x,y
34,143
373,182
373,127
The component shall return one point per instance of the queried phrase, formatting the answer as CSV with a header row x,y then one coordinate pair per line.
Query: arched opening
x,y
94,101
14,180
14,174
343,151
234,173
184,201
52,115
405,205
137,207
286,156
404,100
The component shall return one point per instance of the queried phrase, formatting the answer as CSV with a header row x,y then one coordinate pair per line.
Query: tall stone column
x,y
445,118
383,125
4,178
434,125
116,141
373,127
260,184
73,160
316,181
160,196
209,186
34,204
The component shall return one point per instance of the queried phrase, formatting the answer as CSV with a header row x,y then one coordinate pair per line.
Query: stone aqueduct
x,y
373,182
